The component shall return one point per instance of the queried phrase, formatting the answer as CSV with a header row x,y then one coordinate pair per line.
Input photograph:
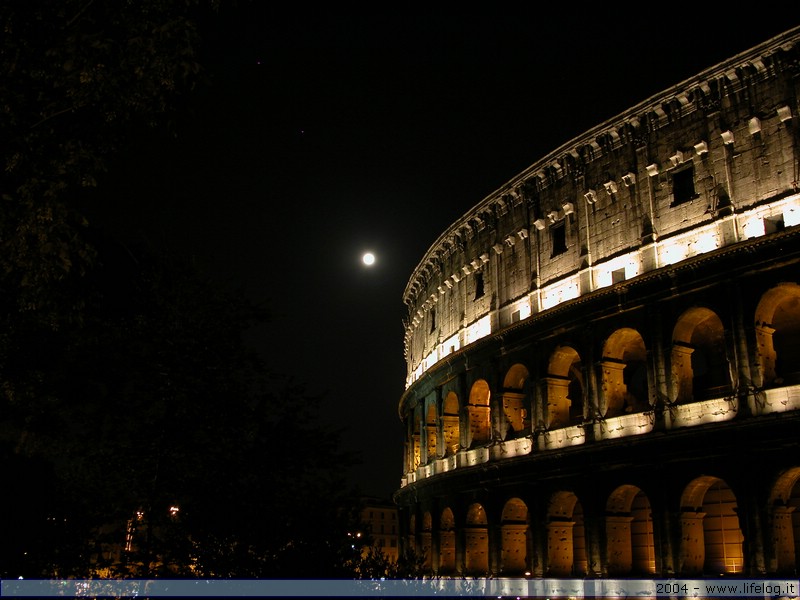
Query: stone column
x,y
692,548
619,551
560,553
783,539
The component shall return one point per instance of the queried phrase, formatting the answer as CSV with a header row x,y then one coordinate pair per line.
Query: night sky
x,y
328,131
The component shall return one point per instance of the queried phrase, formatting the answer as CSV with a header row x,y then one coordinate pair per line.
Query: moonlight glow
x,y
368,259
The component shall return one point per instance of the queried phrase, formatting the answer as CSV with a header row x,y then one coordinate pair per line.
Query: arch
x,y
426,540
451,428
432,432
476,544
415,444
479,412
777,326
515,408
711,537
630,547
624,366
566,539
447,542
700,367
565,388
412,533
784,506
514,538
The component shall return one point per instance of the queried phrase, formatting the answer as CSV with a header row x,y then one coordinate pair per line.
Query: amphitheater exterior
x,y
604,354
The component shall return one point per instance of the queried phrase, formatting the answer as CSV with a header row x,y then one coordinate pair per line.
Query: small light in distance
x,y
368,259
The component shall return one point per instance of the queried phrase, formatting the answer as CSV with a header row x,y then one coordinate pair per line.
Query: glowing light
x,y
368,259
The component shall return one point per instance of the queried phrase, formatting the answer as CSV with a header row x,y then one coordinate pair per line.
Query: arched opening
x,y
451,430
479,413
712,540
624,364
432,433
476,545
516,409
565,388
514,533
700,367
426,541
412,531
566,537
785,508
777,326
629,532
415,444
447,543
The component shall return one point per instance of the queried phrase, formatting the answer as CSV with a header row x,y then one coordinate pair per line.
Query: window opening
x,y
479,285
683,186
774,224
559,235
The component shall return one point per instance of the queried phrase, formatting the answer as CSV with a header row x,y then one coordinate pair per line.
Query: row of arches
x,y
705,359
701,535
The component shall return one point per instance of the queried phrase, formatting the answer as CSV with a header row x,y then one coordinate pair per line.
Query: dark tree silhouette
x,y
140,434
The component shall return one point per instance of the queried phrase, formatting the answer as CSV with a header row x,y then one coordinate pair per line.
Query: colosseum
x,y
604,354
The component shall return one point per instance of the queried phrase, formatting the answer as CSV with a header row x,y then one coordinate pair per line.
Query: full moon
x,y
368,259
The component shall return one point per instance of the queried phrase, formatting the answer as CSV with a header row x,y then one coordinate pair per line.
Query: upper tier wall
x,y
701,166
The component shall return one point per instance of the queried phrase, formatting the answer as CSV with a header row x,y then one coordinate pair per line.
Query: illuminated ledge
x,y
776,400
470,458
443,465
562,438
625,425
700,413
512,448
424,471
672,250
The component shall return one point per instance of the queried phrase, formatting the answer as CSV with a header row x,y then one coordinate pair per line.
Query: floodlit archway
x,y
426,541
785,511
479,413
700,368
630,547
447,542
565,388
451,429
516,409
412,530
476,542
711,535
566,539
624,374
777,324
415,443
514,538
432,433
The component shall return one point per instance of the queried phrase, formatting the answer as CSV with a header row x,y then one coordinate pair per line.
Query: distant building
x,y
604,354
379,520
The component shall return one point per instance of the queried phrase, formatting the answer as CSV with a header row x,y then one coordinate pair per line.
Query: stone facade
x,y
604,354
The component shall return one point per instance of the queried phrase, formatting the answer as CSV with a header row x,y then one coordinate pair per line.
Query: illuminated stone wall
x,y
702,167
604,355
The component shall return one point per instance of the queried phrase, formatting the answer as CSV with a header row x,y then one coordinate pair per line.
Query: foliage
x,y
125,386
374,564
154,401
77,77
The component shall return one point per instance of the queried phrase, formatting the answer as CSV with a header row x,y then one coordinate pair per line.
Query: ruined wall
x,y
604,354
714,145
